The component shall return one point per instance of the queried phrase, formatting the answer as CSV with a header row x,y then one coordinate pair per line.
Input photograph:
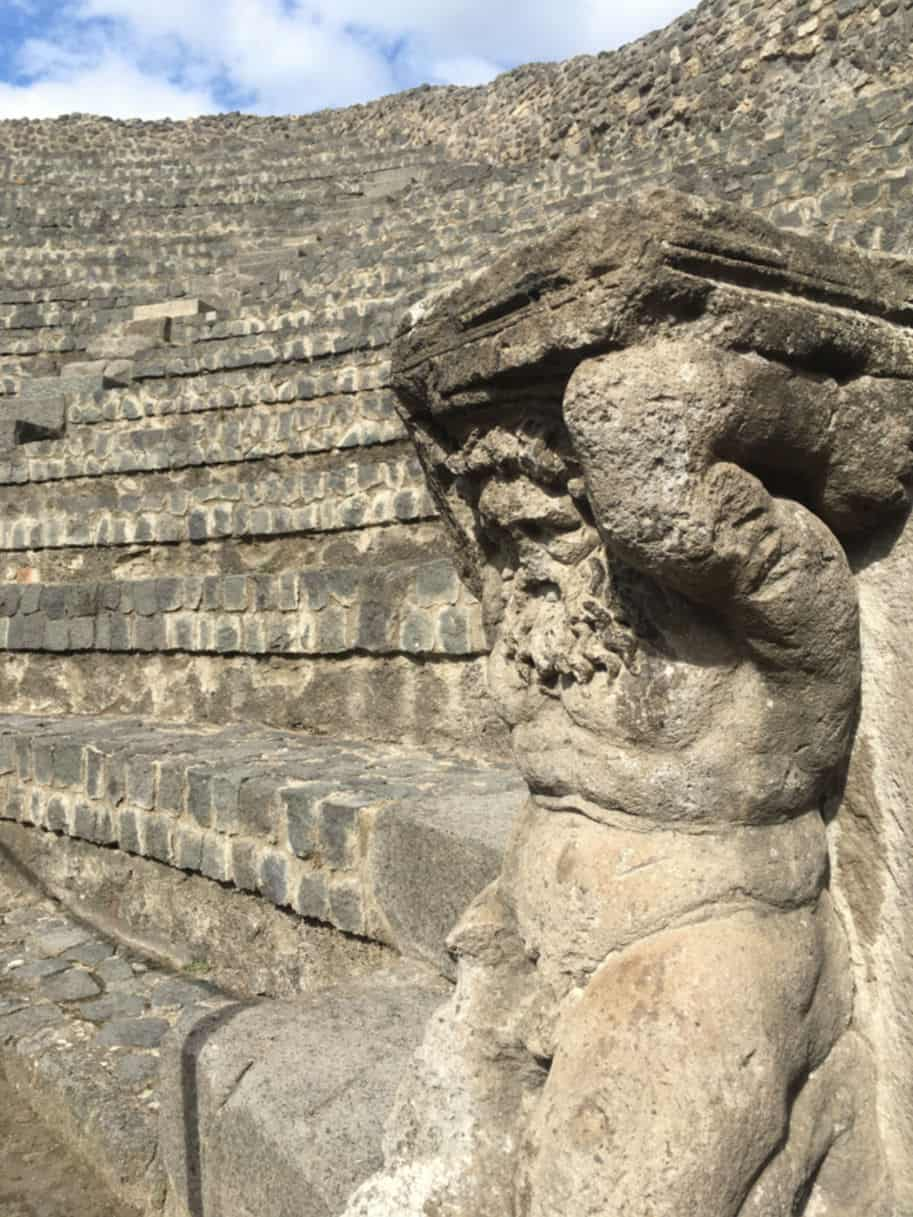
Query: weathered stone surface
x,y
429,859
653,438
132,1033
280,1109
72,985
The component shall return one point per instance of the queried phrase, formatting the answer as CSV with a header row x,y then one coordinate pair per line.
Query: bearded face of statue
x,y
674,633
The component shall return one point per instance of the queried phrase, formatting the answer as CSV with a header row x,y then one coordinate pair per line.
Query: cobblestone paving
x,y
81,1020
39,1177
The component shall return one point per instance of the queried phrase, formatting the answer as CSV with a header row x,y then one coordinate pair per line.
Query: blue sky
x,y
177,58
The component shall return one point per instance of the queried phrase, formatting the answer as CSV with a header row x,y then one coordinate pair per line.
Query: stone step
x,y
286,497
404,608
214,175
331,377
180,1094
430,212
427,701
323,425
383,841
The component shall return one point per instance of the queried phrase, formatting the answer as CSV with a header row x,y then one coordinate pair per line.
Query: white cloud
x,y
463,70
176,57
114,86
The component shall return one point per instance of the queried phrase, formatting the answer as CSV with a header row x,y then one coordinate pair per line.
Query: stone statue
x,y
651,438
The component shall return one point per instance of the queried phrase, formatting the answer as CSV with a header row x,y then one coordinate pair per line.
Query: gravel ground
x,y
38,1176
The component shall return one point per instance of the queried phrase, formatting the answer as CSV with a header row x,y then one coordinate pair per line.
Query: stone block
x,y
374,621
170,787
182,632
129,835
149,633
332,632
454,631
235,593
95,773
338,829
43,761
199,796
145,597
157,833
53,602
257,807
311,896
27,633
224,787
417,634
140,775
36,810
227,636
274,877
109,596
119,632
82,634
10,596
84,820
436,583
308,1079
12,806
169,594
245,864
192,594
28,419
7,754
85,378
115,779
67,765
23,748
36,389
133,1033
30,598
429,857
184,307
314,590
215,860
212,593
346,906
57,636
288,592
302,814
56,817
187,848
102,632
197,526
80,599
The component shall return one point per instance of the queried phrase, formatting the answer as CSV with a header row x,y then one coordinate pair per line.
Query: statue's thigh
x,y
671,1087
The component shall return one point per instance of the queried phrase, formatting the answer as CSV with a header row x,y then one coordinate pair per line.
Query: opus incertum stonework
x,y
457,643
